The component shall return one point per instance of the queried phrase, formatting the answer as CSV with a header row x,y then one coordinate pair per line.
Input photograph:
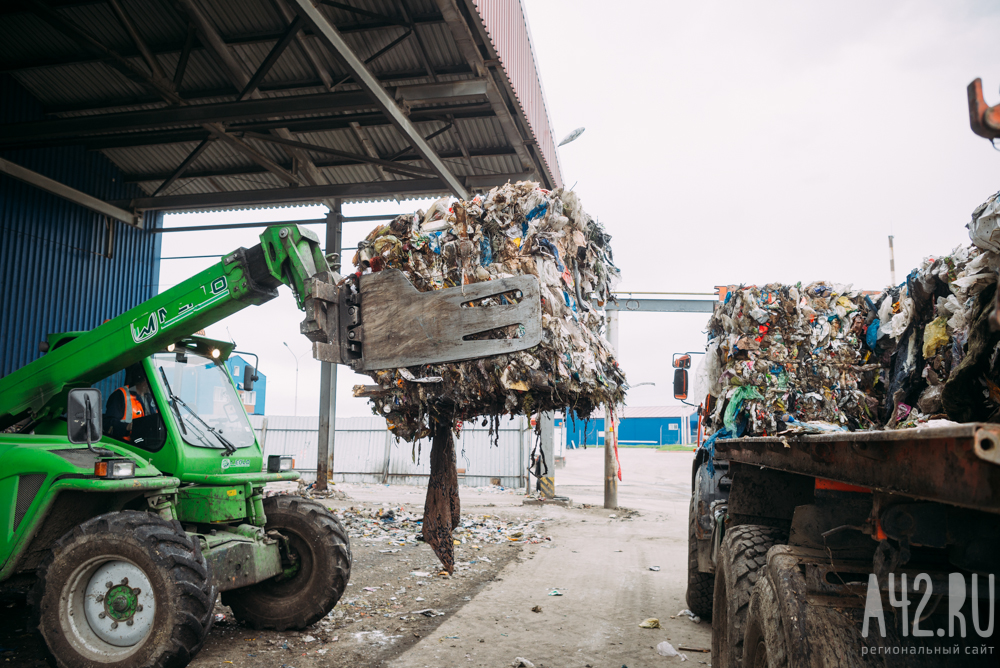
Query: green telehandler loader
x,y
122,528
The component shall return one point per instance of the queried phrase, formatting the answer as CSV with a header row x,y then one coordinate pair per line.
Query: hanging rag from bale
x,y
442,508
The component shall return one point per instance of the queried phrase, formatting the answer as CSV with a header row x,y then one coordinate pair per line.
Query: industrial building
x,y
638,425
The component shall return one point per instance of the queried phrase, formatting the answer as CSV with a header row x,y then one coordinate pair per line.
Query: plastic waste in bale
x,y
515,229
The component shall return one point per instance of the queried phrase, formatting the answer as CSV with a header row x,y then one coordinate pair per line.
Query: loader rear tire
x,y
323,550
741,562
124,590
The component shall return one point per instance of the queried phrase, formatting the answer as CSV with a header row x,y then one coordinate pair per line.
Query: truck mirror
x,y
83,415
680,384
249,376
682,361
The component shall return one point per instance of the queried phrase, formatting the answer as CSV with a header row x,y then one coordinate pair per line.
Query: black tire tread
x,y
172,550
742,559
700,586
315,603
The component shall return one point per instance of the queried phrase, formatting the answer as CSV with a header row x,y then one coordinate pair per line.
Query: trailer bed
x,y
957,465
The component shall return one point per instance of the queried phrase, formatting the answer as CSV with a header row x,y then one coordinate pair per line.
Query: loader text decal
x,y
235,463
147,326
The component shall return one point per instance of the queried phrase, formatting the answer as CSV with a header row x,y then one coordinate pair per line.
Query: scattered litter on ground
x,y
520,662
651,623
537,608
654,568
428,612
690,615
666,649
555,592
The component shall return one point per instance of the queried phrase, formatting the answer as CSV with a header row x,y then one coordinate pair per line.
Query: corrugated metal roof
x,y
68,80
507,26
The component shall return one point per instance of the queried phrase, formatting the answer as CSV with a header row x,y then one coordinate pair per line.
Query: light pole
x,y
296,357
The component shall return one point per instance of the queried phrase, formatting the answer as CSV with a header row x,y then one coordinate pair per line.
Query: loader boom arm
x,y
287,254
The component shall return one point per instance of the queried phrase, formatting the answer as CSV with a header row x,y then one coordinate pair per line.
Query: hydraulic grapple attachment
x,y
381,321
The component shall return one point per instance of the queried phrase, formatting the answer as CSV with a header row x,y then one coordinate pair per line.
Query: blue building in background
x,y
638,425
253,400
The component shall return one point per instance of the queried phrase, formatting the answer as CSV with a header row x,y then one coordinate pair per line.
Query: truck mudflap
x,y
241,556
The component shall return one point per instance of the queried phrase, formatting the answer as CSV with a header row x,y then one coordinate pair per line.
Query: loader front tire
x,y
322,552
124,590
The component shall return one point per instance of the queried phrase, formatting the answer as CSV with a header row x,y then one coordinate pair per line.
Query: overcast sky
x,y
726,143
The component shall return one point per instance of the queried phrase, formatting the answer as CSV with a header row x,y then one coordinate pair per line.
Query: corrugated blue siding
x,y
53,273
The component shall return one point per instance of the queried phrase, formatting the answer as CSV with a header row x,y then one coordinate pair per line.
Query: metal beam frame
x,y
233,40
72,194
663,305
191,135
271,58
251,170
466,43
305,193
405,169
221,112
111,105
307,221
366,80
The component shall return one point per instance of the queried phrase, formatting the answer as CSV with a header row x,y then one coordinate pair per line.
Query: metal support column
x,y
328,370
610,433
547,477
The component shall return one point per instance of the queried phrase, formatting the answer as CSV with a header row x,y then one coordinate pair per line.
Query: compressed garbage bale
x,y
516,229
792,356
826,357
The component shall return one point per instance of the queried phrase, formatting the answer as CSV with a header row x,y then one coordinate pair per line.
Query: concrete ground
x,y
601,565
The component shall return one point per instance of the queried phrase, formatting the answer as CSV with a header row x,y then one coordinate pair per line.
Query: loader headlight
x,y
278,463
115,468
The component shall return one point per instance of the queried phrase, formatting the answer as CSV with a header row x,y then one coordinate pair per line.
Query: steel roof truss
x,y
382,98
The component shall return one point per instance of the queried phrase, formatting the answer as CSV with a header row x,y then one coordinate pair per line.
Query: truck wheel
x,y
764,640
124,590
323,550
741,561
700,585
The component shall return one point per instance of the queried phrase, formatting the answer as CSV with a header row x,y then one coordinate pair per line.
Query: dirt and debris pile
x,y
516,229
829,357
395,527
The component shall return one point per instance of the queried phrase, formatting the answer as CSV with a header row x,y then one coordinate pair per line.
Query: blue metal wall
x,y
236,365
631,431
54,276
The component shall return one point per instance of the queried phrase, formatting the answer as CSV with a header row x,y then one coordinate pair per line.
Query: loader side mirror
x,y
83,415
680,384
249,376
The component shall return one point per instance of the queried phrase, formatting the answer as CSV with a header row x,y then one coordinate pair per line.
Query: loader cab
x,y
206,429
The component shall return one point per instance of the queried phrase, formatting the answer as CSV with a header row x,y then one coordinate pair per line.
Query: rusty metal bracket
x,y
987,444
985,120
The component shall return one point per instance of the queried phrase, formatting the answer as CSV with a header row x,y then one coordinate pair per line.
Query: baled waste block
x,y
515,230
829,357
